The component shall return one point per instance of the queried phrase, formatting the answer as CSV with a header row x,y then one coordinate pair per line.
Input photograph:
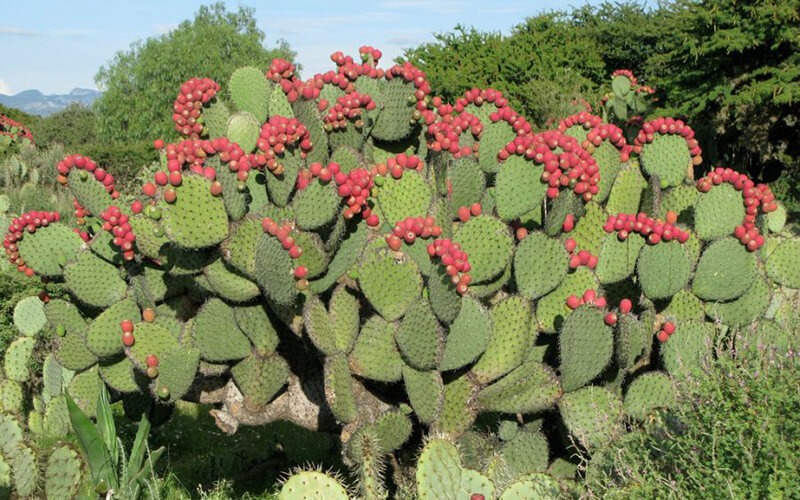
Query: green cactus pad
x,y
119,375
390,281
663,269
608,161
466,181
440,474
566,204
89,192
29,317
239,249
260,378
314,257
746,309
5,478
11,397
539,486
17,357
690,350
593,416
648,392
495,136
392,429
718,212
540,264
316,205
72,351
419,337
511,338
339,388
10,436
468,336
84,388
352,243
309,115
229,284
617,259
102,245
349,137
273,270
445,300
488,244
425,390
150,237
588,232
197,219
394,121
94,281
62,478
408,196
375,355
526,453
666,157
631,339
215,117
104,334
278,103
626,193
44,249
280,187
348,159
530,388
312,485
782,263
56,418
235,198
243,128
458,414
552,308
586,345
519,188
25,470
319,327
726,271
775,220
257,325
151,338
250,91
216,334
684,306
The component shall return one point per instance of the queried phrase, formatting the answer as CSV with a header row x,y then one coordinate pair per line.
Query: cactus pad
x,y
375,355
726,271
666,157
312,485
593,415
511,338
216,334
94,281
488,243
103,335
663,269
29,317
468,336
782,263
17,357
390,281
250,91
540,264
689,351
339,388
425,391
196,219
530,388
62,477
718,212
648,392
586,345
518,187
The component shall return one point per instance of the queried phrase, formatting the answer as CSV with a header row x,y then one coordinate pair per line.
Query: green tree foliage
x,y
735,67
19,116
141,83
73,127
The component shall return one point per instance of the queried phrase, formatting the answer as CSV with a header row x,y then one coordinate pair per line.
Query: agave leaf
x,y
91,442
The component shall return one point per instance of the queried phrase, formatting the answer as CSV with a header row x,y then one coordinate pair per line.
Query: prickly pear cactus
x,y
349,252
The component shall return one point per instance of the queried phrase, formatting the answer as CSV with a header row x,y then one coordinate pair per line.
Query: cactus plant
x,y
276,249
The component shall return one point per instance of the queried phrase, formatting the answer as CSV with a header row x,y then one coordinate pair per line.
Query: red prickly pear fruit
x,y
573,302
668,327
216,188
477,496
611,318
662,336
148,314
464,214
152,371
589,295
569,223
158,144
161,178
152,360
295,252
127,326
149,189
521,233
475,209
175,178
592,262
600,302
137,207
574,262
128,339
625,306
672,217
300,272
170,195
570,245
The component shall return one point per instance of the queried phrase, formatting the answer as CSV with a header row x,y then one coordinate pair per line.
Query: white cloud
x,y
17,32
74,33
4,87
442,7
163,29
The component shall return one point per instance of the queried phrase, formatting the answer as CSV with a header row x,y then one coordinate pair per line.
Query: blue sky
x,y
55,46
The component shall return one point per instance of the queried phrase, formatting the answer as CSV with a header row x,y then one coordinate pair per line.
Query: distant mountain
x,y
36,103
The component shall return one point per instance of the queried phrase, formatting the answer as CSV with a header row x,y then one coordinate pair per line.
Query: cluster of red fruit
x,y
368,53
318,170
278,135
466,213
611,133
187,108
411,228
80,212
666,331
280,69
87,166
627,74
117,223
756,197
193,152
518,123
355,188
671,126
29,221
654,230
478,96
583,119
566,164
396,165
283,233
416,76
445,133
282,72
454,259
581,258
589,297
14,129
348,68
348,107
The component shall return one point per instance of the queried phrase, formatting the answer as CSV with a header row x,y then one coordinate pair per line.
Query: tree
x,y
73,126
141,84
